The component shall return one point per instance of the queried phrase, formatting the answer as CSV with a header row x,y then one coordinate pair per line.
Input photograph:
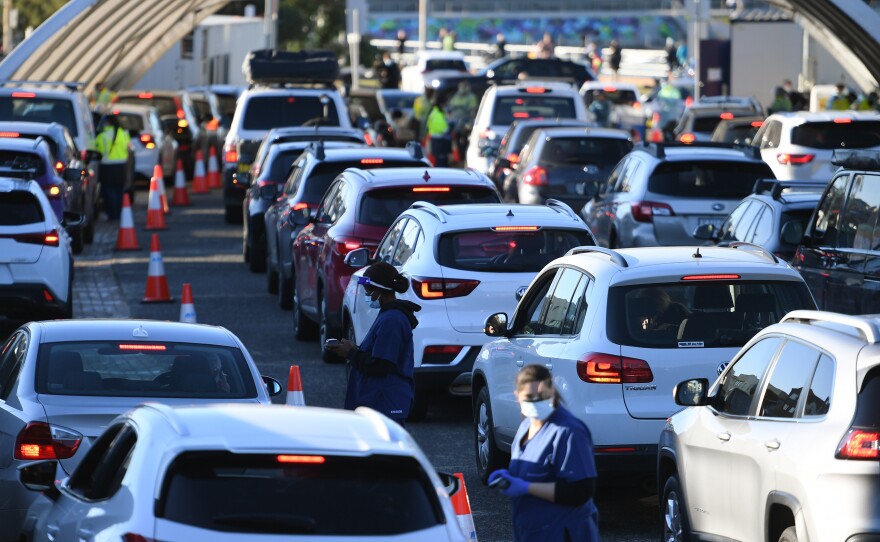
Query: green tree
x,y
33,13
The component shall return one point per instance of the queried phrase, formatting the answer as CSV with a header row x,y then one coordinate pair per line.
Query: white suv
x,y
618,329
784,446
504,104
464,263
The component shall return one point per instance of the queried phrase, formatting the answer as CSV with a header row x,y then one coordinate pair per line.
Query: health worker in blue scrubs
x,y
552,474
381,375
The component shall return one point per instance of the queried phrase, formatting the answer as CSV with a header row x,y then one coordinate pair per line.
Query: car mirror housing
x,y
450,483
792,232
273,387
39,476
357,258
72,219
300,217
692,392
496,325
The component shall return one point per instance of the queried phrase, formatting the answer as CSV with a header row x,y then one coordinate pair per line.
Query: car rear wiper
x,y
269,523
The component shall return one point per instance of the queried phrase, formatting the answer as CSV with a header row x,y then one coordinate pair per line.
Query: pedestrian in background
x,y
671,57
401,44
545,48
421,110
600,109
112,142
614,59
500,50
839,101
552,476
449,41
868,102
381,375
781,101
798,101
440,144
388,72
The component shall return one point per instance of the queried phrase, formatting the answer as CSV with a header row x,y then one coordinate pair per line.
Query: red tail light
x,y
9,134
49,239
536,90
645,211
513,158
687,138
714,276
180,113
842,120
212,124
689,101
610,369
726,116
40,440
441,354
60,167
24,94
794,159
142,347
431,189
146,139
145,95
346,245
311,459
132,537
537,176
859,444
231,156
521,115
368,139
265,182
299,206
438,288
757,123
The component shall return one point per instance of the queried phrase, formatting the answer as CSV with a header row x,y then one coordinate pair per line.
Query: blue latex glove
x,y
518,486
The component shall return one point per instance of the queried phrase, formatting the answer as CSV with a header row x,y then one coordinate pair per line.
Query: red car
x,y
355,212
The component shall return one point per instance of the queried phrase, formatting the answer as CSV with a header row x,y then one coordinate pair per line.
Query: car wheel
x,y
232,214
257,255
271,277
326,332
303,328
489,457
76,240
676,527
285,290
789,535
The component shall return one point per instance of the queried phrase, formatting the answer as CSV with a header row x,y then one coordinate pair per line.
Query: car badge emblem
x,y
722,366
140,332
591,169
717,206
521,291
426,176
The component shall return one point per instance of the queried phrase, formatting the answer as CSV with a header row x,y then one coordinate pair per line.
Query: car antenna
x,y
509,212
697,253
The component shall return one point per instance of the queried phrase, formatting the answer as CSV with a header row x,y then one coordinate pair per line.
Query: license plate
x,y
244,168
707,220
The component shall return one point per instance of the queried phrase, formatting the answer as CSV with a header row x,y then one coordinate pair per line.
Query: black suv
x,y
839,256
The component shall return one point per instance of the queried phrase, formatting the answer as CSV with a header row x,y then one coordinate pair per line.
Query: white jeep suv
x,y
619,329
784,446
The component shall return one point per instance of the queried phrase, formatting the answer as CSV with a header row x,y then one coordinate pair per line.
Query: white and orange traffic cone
x,y
200,183
126,238
157,283
155,215
295,395
213,169
163,198
462,506
187,307
181,196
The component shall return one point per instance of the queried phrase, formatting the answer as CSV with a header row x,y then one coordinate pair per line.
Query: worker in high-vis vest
x,y
438,132
112,142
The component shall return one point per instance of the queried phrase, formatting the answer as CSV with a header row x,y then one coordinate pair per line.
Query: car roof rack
x,y
432,209
856,159
776,186
561,207
616,257
414,148
754,248
69,85
869,329
658,150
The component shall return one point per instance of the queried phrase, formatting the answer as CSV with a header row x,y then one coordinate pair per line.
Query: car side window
x,y
827,223
772,135
740,382
408,242
617,179
293,180
562,304
733,219
101,471
819,397
857,228
742,228
339,203
11,359
788,380
326,206
763,227
528,313
386,248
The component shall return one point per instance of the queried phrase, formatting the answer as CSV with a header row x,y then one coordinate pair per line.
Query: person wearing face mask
x,y
381,375
552,474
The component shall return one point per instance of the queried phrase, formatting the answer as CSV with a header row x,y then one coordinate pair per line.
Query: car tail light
x,y
645,211
145,95
24,94
687,138
142,347
372,161
40,440
521,115
345,245
614,449
714,276
49,239
132,537
441,353
47,295
60,167
180,112
689,101
368,139
299,206
430,189
536,90
9,134
513,158
637,105
212,124
308,459
757,123
516,228
438,288
230,155
726,116
859,444
536,176
787,159
610,369
842,120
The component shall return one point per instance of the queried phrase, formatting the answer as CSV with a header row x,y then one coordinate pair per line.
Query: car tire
x,y
489,457
271,277
789,535
673,513
326,332
303,328
232,214
257,256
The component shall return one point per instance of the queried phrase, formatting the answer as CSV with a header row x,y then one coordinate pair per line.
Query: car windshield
x,y
531,106
138,369
21,165
37,109
380,207
706,124
18,208
267,112
700,314
603,152
837,135
708,179
376,495
507,251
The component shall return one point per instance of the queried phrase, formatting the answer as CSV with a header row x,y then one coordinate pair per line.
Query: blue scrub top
x,y
389,338
561,450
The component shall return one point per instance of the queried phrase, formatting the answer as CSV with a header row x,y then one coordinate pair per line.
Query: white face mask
x,y
540,410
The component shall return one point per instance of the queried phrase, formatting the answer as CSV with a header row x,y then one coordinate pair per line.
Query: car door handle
x,y
772,444
723,436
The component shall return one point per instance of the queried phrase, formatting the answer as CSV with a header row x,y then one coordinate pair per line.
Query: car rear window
x,y
445,64
227,104
833,135
318,495
21,165
706,124
583,150
281,162
614,95
202,108
138,369
37,109
707,179
868,406
18,208
736,133
267,112
401,101
320,178
132,123
532,106
700,314
380,207
165,105
507,251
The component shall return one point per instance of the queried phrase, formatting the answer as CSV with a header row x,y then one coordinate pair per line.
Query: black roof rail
x,y
659,149
415,150
856,159
430,208
70,85
561,207
776,187
616,257
754,248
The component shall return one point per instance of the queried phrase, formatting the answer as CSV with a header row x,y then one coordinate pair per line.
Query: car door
x,y
871,291
599,212
12,418
308,247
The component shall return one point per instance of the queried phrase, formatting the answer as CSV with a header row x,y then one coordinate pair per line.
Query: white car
x,y
619,329
504,104
622,97
784,446
239,473
464,262
430,65
799,145
62,382
36,259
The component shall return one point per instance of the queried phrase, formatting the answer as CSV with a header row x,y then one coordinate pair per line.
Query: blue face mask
x,y
372,303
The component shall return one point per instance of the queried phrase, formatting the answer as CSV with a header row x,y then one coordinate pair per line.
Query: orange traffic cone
x,y
155,216
126,238
200,183
295,388
187,308
181,197
157,174
213,169
462,506
157,284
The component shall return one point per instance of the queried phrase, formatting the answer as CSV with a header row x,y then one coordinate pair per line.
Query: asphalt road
x,y
200,248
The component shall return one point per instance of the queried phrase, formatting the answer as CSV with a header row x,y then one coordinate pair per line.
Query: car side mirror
x,y
300,217
496,325
450,482
692,392
706,232
269,191
273,387
39,476
72,219
357,258
792,232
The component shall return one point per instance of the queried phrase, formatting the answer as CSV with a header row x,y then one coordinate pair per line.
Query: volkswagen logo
x,y
722,366
591,169
717,206
520,292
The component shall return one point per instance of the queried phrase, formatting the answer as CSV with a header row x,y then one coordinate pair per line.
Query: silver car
x,y
62,382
